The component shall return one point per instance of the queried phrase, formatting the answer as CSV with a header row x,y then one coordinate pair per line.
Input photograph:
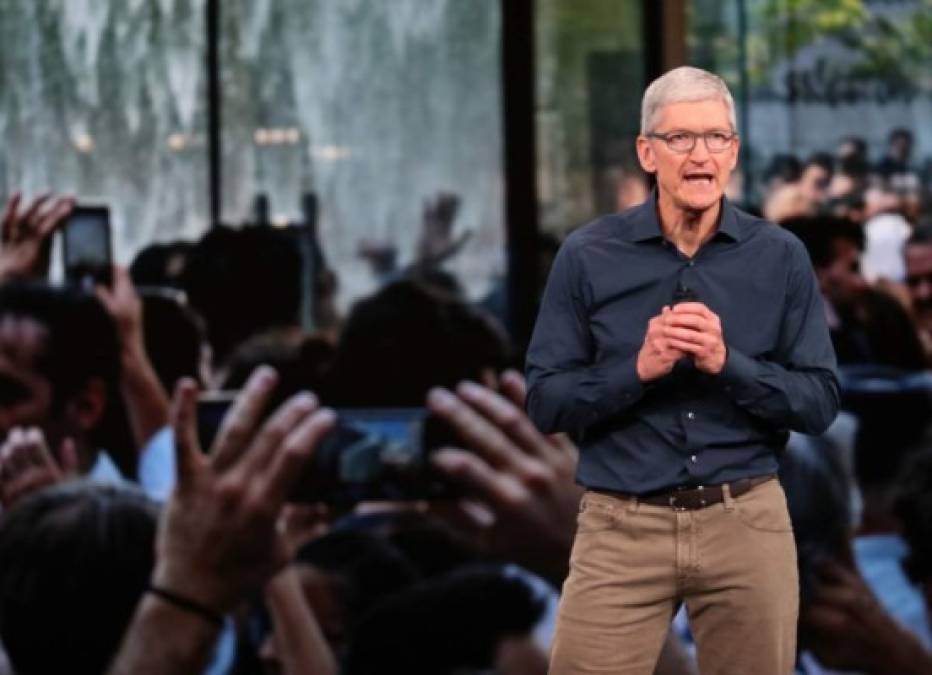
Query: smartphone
x,y
212,407
371,454
378,454
86,247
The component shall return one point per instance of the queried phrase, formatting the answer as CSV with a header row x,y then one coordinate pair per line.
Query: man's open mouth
x,y
700,178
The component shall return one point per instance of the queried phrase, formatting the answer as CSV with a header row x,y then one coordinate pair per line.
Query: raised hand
x,y
523,477
436,242
27,465
125,306
852,631
218,540
145,399
26,235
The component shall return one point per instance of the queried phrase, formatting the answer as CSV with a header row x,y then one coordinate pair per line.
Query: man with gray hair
x,y
678,342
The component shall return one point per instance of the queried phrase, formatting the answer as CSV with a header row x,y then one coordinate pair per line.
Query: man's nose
x,y
700,151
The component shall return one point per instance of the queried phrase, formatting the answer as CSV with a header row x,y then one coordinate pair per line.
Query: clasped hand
x,y
688,329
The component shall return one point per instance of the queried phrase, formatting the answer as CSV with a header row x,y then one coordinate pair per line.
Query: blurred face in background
x,y
901,147
919,281
814,183
785,202
841,281
28,396
25,394
631,191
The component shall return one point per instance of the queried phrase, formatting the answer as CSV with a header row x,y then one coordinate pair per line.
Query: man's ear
x,y
85,409
646,154
735,153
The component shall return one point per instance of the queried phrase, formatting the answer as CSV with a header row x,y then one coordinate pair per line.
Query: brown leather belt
x,y
690,498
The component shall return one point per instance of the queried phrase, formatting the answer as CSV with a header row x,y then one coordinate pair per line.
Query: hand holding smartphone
x,y
370,454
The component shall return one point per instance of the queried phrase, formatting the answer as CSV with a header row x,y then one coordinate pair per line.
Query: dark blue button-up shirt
x,y
609,279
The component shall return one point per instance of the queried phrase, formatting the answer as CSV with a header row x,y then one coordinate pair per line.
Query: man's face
x,y
842,282
901,147
691,181
25,394
814,183
919,280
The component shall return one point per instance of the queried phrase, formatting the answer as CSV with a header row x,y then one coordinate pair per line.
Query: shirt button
x,y
692,263
693,459
691,415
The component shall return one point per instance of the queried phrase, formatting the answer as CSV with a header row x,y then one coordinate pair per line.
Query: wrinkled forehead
x,y
703,115
22,338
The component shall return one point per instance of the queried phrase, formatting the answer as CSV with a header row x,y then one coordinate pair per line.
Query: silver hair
x,y
680,85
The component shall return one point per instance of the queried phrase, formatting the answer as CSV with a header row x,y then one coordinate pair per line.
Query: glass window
x,y
106,99
813,73
590,75
376,108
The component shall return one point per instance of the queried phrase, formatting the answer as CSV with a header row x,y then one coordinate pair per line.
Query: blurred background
x,y
184,113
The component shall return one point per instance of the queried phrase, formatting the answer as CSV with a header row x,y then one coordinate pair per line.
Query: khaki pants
x,y
733,564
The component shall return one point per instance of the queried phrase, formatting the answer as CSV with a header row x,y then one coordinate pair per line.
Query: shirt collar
x,y
645,226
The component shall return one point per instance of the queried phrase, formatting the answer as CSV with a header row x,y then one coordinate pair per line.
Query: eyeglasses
x,y
685,141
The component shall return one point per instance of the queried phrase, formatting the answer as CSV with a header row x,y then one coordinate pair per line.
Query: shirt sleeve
x,y
796,387
567,390
156,468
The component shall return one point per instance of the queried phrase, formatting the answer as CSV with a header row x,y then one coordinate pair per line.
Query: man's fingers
x,y
566,447
267,441
122,282
827,618
292,456
838,574
477,432
514,386
242,420
9,215
472,471
661,348
17,452
509,419
183,420
55,216
105,295
693,321
38,451
844,597
33,209
68,457
685,347
693,308
685,335
25,483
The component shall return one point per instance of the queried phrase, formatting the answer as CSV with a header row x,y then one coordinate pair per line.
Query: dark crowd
x,y
192,482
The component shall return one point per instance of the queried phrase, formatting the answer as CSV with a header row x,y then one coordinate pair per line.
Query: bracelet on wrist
x,y
186,604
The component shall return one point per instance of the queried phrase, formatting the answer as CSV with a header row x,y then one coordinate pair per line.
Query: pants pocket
x,y
764,508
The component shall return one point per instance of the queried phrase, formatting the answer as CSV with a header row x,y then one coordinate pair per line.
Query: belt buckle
x,y
674,506
682,488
